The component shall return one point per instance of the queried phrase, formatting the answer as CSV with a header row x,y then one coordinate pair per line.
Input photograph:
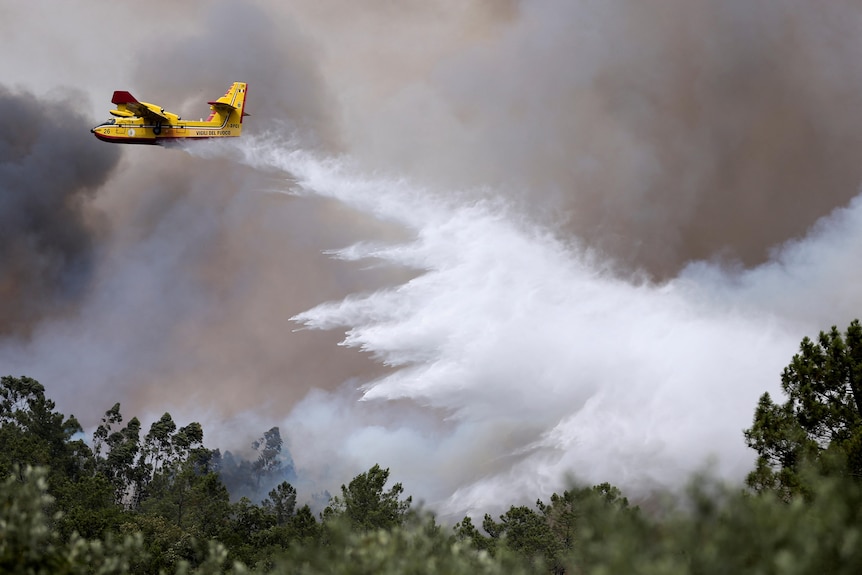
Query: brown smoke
x,y
660,133
750,134
258,259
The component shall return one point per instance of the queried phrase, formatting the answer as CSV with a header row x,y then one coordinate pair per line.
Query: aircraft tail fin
x,y
230,107
123,97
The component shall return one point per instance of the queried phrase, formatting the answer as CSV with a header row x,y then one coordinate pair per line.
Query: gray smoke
x,y
50,168
238,41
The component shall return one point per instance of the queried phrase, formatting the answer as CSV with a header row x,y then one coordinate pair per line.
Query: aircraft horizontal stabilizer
x,y
220,104
226,108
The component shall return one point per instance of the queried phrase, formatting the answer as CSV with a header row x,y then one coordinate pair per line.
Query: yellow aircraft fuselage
x,y
143,123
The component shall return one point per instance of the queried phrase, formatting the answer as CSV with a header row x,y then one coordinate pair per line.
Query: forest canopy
x,y
127,501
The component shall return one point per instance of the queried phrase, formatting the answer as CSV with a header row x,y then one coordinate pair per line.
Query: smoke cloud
x,y
49,168
659,134
553,237
241,42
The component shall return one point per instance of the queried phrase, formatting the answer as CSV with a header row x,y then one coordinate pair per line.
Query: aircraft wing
x,y
127,103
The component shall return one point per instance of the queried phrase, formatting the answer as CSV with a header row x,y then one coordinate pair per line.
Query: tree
x,y
272,463
237,474
158,449
87,507
189,497
820,424
366,506
268,448
121,463
29,544
556,530
525,532
415,548
583,521
32,433
466,531
253,479
142,470
100,436
303,526
281,502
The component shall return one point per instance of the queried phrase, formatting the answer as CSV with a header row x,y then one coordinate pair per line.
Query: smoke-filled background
x,y
554,237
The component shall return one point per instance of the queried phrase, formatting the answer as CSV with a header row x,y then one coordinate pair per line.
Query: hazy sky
x,y
552,236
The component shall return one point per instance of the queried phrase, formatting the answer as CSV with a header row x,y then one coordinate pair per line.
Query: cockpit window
x,y
109,122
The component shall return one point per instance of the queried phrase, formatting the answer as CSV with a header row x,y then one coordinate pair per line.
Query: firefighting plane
x,y
142,123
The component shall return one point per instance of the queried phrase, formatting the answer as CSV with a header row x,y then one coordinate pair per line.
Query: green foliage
x,y
303,526
413,548
159,498
820,424
466,531
714,531
190,500
721,531
366,506
157,504
32,433
281,502
120,463
556,532
88,508
166,546
526,533
29,545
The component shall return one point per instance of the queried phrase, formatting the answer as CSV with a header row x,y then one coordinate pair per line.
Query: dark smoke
x,y
50,166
